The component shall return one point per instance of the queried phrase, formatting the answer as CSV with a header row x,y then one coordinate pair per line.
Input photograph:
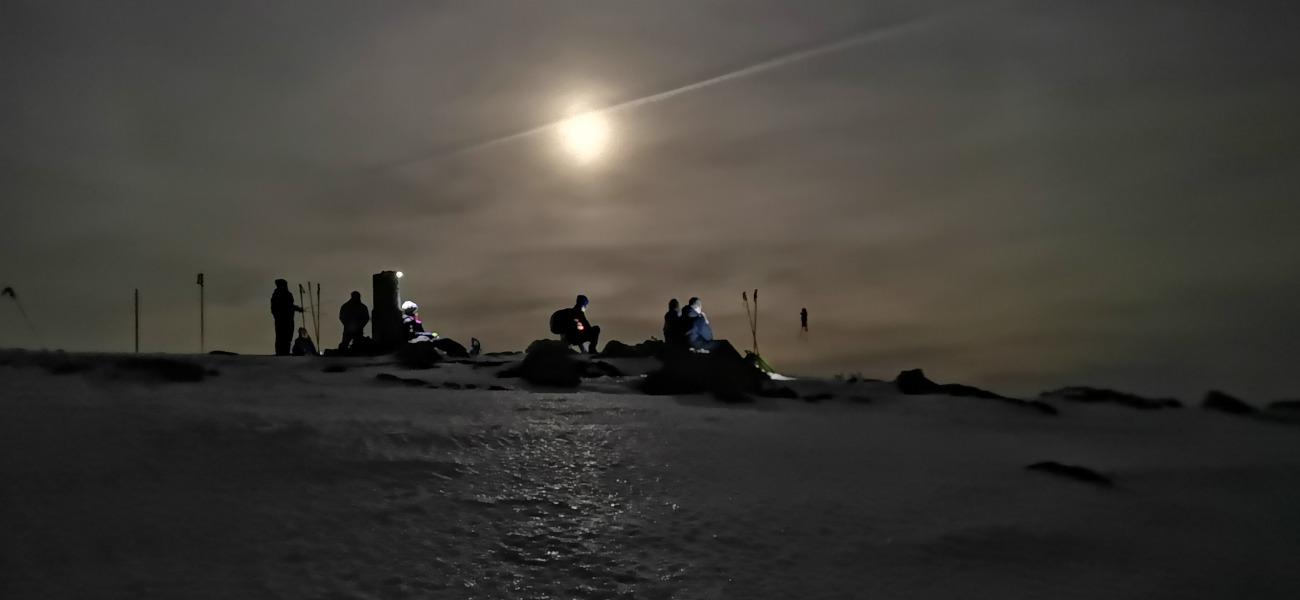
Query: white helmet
x,y
409,308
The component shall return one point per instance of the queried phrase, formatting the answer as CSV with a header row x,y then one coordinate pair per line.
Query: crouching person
x,y
572,325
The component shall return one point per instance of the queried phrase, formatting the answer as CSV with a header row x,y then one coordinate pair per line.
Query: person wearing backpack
x,y
573,326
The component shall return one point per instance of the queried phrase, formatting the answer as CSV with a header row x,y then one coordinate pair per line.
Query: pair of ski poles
x,y
313,307
753,317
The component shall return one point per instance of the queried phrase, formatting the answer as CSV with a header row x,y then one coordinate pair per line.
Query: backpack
x,y
560,321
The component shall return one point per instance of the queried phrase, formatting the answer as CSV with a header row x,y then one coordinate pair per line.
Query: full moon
x,y
584,136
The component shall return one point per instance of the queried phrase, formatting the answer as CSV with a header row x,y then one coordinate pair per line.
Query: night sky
x,y
1016,195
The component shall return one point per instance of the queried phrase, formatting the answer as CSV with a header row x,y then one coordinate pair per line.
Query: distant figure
x,y
302,345
354,315
282,309
803,319
572,324
695,324
412,323
673,323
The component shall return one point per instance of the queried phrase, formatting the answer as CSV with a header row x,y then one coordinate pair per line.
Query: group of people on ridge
x,y
353,314
688,327
684,326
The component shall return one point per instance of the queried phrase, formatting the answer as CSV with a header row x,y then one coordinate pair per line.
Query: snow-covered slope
x,y
273,478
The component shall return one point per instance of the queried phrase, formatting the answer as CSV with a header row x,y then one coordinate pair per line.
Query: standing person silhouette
x,y
354,315
282,309
803,319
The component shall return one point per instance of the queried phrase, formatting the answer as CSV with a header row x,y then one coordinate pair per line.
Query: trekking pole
x,y
201,319
317,312
300,303
9,291
311,309
749,316
754,326
137,320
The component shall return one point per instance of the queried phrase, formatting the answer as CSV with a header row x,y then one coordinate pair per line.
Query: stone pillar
x,y
385,312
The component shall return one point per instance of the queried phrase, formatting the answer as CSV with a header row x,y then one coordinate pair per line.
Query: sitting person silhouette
x,y
697,333
412,323
673,324
302,345
415,332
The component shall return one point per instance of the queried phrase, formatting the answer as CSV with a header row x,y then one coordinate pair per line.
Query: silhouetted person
x,y
803,318
695,324
282,309
302,345
354,315
572,324
673,323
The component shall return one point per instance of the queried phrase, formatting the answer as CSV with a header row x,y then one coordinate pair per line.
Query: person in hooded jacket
x,y
302,345
282,310
354,315
698,333
572,324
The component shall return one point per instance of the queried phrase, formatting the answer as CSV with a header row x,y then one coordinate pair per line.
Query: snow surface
x,y
275,479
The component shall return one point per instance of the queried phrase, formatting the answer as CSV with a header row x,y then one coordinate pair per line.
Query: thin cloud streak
x,y
839,45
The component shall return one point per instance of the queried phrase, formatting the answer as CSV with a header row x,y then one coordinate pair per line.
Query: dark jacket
x,y
303,346
673,327
414,327
573,316
354,316
282,306
698,333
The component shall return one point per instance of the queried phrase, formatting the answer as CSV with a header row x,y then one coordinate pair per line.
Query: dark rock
x,y
1092,395
1285,405
484,364
423,355
646,349
68,367
914,382
778,391
1074,472
451,385
550,346
334,369
499,354
160,369
598,368
390,378
1216,400
470,386
722,372
818,397
499,388
1037,405
861,399
549,362
223,353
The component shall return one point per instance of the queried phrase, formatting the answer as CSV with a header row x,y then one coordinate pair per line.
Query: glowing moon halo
x,y
584,136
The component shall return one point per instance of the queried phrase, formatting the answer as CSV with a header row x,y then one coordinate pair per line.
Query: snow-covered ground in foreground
x,y
275,479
